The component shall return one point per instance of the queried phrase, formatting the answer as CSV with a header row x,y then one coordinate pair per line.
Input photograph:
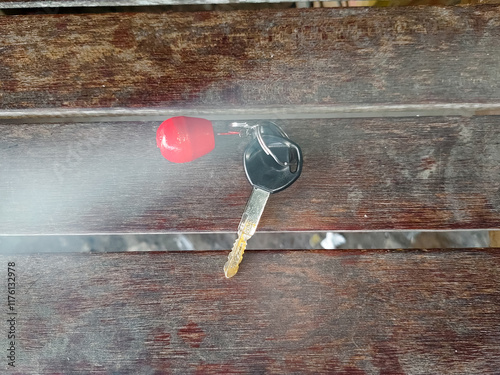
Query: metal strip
x,y
44,115
93,3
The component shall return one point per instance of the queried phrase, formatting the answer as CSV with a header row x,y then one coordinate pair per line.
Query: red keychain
x,y
183,139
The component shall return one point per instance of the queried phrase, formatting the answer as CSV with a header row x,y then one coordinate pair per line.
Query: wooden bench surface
x,y
80,99
302,67
359,174
318,312
282,63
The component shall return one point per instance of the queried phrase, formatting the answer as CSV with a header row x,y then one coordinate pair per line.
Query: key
x,y
266,176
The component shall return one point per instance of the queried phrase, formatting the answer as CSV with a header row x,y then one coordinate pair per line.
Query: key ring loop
x,y
258,134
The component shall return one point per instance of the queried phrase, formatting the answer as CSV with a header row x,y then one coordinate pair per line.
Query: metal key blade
x,y
235,256
246,229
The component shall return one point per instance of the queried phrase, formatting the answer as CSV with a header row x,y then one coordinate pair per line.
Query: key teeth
x,y
235,257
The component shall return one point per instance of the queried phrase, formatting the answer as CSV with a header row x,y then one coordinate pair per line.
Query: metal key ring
x,y
257,132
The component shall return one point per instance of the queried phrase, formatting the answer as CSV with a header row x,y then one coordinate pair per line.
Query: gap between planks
x,y
48,115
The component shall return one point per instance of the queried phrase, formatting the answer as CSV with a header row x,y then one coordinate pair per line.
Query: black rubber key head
x,y
264,172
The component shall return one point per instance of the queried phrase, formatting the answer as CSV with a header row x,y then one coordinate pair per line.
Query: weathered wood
x,y
251,59
359,174
323,312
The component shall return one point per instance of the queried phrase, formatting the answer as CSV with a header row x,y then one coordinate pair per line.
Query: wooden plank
x,y
260,60
323,312
359,174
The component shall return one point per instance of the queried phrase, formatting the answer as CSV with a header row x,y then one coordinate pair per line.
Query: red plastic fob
x,y
182,139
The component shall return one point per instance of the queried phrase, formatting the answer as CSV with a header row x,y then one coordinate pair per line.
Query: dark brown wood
x,y
251,59
359,174
317,312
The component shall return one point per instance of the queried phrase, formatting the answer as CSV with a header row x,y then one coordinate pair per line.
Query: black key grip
x,y
264,172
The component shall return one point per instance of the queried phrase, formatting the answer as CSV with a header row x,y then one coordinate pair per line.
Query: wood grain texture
x,y
261,59
323,312
359,174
